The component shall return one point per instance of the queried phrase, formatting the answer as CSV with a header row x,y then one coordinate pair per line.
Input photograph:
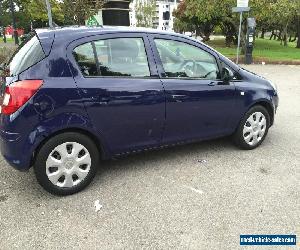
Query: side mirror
x,y
227,75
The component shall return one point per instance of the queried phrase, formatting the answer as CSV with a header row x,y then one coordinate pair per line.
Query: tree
x,y
276,15
28,11
145,12
298,25
188,14
205,15
78,11
38,12
182,22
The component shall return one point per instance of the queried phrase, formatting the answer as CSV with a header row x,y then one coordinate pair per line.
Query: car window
x,y
113,57
183,60
85,57
28,54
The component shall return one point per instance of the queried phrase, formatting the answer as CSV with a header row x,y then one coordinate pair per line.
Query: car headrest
x,y
119,50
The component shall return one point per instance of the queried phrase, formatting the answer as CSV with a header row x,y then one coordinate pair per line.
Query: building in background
x,y
114,12
163,18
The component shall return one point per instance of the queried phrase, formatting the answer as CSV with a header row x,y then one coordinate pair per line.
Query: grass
x,y
264,50
8,40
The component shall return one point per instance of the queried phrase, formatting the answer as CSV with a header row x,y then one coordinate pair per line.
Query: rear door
x,y
120,88
198,103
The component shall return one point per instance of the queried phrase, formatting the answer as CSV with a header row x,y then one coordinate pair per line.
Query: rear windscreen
x,y
28,54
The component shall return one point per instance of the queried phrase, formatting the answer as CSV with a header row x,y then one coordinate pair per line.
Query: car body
x,y
148,96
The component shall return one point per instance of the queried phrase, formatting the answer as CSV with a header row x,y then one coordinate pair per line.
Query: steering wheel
x,y
189,70
210,72
203,70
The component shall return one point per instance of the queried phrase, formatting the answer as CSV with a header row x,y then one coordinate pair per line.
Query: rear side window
x,y
113,57
28,54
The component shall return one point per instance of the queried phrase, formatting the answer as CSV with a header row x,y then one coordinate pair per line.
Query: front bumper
x,y
275,103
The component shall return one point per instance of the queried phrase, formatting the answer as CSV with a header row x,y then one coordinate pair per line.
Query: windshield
x,y
28,54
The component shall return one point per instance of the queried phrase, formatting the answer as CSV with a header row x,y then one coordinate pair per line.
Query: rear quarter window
x,y
28,54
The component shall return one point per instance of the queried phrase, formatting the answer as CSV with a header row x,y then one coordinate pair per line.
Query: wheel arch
x,y
268,106
90,135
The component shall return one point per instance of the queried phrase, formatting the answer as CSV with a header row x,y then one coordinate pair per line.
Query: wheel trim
x,y
68,164
254,128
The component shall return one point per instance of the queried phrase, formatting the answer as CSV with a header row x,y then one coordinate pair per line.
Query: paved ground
x,y
200,196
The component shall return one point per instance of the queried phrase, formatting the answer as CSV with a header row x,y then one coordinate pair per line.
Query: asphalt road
x,y
199,196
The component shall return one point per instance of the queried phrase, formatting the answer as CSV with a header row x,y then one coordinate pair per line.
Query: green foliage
x,y
65,12
205,15
28,11
6,53
77,11
145,12
264,50
37,10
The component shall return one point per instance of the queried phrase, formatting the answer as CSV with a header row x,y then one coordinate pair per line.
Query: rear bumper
x,y
12,147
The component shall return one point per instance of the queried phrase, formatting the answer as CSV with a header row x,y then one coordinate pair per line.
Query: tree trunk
x,y
285,35
298,31
272,35
279,36
293,39
263,31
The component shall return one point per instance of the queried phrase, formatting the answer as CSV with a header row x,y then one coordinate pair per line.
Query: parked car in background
x,y
188,33
73,96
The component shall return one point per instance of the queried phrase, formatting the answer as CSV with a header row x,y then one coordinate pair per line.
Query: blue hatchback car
x,y
73,96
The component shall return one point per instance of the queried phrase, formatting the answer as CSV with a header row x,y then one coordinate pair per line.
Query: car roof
x,y
70,33
75,32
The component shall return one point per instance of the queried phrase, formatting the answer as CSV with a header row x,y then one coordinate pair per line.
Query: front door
x,y
199,105
121,90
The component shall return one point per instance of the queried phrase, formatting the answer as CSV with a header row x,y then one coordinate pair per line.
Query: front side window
x,y
182,60
113,57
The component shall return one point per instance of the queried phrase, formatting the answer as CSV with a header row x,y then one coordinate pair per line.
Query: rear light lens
x,y
17,94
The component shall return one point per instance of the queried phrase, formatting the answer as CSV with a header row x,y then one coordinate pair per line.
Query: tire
x,y
66,163
251,128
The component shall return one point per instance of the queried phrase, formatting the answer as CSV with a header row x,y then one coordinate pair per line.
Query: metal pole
x,y
1,24
239,38
49,13
12,8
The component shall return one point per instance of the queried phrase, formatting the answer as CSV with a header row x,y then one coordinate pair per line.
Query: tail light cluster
x,y
17,94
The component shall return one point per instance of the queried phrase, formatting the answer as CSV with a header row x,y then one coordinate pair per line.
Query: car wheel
x,y
66,163
253,128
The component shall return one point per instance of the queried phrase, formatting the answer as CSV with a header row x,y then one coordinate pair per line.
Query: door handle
x,y
216,83
104,100
178,96
212,84
101,100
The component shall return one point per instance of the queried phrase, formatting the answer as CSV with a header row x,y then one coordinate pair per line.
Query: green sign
x,y
92,21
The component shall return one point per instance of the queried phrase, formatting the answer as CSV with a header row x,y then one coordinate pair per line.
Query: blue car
x,y
71,97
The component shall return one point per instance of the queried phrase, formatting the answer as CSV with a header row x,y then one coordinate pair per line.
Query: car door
x,y
120,88
198,103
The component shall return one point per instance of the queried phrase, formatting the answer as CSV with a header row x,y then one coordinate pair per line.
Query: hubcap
x,y
254,128
68,164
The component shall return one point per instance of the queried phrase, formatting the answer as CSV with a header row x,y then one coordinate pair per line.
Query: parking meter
x,y
251,24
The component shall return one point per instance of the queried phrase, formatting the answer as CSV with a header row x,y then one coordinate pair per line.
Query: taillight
x,y
17,94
